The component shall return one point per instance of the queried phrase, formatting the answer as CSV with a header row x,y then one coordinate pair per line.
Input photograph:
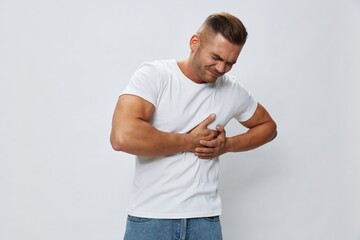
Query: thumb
x,y
220,128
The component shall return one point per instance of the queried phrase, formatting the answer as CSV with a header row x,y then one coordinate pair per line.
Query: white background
x,y
64,63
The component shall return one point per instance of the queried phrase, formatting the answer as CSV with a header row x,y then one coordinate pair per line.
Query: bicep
x,y
131,124
131,107
259,117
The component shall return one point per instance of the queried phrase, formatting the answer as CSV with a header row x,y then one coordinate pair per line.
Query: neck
x,y
188,70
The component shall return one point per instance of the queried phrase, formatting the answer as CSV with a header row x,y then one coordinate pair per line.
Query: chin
x,y
208,78
213,80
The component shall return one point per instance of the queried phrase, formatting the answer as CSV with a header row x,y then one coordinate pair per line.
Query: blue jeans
x,y
206,228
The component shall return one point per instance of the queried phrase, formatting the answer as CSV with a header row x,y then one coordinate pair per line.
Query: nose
x,y
220,67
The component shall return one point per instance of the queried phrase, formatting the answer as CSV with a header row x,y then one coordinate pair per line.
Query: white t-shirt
x,y
182,185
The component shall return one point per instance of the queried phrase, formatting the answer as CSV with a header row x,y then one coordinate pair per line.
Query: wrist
x,y
186,142
228,144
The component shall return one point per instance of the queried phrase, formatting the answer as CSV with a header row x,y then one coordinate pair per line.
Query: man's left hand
x,y
212,148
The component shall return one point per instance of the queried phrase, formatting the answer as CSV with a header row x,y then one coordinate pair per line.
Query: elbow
x,y
118,143
274,135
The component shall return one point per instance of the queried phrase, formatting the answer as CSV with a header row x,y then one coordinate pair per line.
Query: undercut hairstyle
x,y
229,26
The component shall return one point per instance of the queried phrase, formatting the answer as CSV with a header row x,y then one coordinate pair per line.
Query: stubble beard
x,y
202,72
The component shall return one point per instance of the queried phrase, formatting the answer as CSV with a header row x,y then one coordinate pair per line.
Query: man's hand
x,y
202,133
212,148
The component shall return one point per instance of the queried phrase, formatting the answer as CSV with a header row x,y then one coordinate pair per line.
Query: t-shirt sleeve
x,y
145,83
246,105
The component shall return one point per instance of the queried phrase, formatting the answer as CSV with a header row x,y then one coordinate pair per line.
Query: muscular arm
x,y
132,132
262,129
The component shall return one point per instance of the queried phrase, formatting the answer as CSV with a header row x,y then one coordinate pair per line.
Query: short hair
x,y
229,26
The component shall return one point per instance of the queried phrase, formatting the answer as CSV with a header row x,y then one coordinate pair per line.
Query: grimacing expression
x,y
213,56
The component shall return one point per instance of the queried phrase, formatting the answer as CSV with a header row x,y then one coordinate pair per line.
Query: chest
x,y
181,106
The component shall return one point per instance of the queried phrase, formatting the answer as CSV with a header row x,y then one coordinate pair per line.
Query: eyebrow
x,y
220,58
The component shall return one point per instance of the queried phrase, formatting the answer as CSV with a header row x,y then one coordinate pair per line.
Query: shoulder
x,y
230,82
152,71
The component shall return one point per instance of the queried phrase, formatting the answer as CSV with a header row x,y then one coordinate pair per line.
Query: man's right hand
x,y
201,132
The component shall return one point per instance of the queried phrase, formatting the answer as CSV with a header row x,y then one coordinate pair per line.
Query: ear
x,y
194,42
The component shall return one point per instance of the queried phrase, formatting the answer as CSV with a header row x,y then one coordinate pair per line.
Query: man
x,y
172,116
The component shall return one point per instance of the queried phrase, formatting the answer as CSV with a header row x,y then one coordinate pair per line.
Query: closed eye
x,y
218,58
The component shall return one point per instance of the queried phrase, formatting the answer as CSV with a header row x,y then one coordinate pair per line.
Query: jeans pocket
x,y
138,219
212,219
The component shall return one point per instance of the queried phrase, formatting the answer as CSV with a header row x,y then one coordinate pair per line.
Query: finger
x,y
209,144
220,128
204,150
208,120
205,155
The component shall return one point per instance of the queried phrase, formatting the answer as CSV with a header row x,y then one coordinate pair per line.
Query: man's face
x,y
213,56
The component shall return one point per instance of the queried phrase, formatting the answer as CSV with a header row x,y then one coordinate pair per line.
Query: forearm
x,y
253,138
141,138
